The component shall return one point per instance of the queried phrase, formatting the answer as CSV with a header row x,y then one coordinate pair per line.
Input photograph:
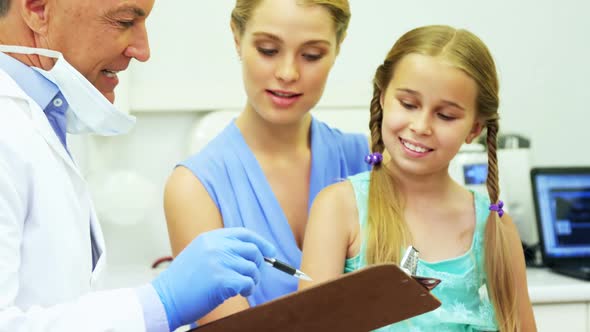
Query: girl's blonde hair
x,y
387,231
339,10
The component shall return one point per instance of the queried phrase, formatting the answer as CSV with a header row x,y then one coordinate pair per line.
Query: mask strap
x,y
30,50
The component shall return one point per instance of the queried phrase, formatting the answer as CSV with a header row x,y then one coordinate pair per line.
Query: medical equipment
x,y
470,166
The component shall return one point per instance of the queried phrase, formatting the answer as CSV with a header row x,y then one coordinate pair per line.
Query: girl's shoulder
x,y
360,184
339,201
340,193
362,177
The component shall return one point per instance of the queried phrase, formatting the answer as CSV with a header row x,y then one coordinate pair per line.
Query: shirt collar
x,y
35,85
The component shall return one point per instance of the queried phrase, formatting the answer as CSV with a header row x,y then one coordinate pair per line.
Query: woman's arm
x,y
329,233
525,309
190,211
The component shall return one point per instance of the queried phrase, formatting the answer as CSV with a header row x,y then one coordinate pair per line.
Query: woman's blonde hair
x,y
339,10
387,231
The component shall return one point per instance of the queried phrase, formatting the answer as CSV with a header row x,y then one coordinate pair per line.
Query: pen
x,y
286,268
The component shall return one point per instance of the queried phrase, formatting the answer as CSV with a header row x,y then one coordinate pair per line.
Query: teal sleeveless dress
x,y
462,292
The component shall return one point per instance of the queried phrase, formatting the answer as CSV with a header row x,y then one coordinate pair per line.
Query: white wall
x,y
541,48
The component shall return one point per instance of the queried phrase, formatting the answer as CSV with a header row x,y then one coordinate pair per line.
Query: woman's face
x,y
287,51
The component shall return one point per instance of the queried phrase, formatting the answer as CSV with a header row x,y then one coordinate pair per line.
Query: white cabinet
x,y
560,303
571,317
193,62
194,65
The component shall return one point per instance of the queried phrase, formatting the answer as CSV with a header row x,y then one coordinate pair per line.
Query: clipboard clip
x,y
409,265
428,283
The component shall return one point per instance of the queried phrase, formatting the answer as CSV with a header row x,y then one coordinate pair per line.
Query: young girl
x,y
265,168
436,90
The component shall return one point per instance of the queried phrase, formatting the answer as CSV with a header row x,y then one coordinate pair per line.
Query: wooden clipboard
x,y
361,301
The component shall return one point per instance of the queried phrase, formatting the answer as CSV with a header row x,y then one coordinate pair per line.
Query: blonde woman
x,y
436,90
264,170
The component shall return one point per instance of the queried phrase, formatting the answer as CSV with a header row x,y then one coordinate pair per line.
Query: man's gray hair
x,y
4,6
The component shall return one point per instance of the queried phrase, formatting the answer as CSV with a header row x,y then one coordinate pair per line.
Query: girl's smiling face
x,y
429,111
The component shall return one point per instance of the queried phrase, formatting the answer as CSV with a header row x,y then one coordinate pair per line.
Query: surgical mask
x,y
89,110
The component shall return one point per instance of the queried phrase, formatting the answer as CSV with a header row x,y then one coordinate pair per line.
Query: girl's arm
x,y
190,211
332,221
525,308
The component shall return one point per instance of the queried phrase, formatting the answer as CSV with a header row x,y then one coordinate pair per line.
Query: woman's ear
x,y
475,131
237,38
34,13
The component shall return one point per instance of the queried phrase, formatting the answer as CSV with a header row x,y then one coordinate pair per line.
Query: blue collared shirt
x,y
54,105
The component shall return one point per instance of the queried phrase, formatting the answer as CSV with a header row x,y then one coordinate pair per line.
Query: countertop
x,y
548,287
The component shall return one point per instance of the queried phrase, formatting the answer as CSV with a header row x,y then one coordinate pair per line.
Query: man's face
x,y
99,37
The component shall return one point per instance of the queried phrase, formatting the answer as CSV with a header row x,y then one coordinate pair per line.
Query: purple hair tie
x,y
498,208
374,158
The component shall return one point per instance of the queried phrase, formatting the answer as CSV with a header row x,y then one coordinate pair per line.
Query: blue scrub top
x,y
229,171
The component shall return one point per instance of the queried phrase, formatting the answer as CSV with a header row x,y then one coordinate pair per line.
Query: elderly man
x,y
59,61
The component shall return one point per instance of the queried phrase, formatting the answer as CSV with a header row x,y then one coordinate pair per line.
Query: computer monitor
x,y
562,204
475,174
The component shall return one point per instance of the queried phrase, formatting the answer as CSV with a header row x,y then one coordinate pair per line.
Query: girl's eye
x,y
445,117
312,57
407,105
267,51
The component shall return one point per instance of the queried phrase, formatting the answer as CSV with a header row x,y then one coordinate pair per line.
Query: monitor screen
x,y
475,173
563,206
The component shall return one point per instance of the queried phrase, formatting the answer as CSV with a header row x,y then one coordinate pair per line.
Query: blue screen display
x,y
475,173
564,212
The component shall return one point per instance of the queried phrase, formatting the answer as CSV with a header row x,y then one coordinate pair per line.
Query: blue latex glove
x,y
215,266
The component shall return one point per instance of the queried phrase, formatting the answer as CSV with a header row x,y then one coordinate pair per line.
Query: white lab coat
x,y
46,220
